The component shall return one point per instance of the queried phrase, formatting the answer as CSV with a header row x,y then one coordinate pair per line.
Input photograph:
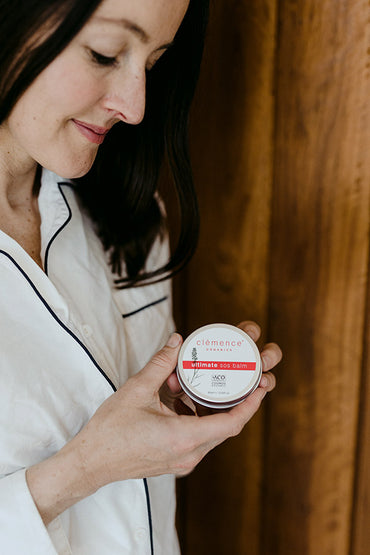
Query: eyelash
x,y
102,60
107,61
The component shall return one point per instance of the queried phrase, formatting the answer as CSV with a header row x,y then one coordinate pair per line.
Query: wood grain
x,y
281,142
319,269
232,127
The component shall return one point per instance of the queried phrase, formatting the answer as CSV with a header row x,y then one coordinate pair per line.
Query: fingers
x,y
251,328
242,413
268,381
271,355
174,384
212,429
162,364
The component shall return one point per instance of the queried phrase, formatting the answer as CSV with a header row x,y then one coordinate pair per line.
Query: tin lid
x,y
219,365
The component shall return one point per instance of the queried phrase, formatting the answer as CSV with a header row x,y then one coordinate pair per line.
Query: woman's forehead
x,y
145,18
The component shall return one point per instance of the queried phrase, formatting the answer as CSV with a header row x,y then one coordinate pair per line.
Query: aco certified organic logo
x,y
218,380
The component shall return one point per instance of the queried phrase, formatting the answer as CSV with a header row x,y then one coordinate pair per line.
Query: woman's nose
x,y
125,98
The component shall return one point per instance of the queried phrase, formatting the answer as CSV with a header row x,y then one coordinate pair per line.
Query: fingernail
x,y
252,332
173,340
264,381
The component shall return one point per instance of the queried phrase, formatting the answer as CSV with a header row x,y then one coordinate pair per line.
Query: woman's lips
x,y
93,133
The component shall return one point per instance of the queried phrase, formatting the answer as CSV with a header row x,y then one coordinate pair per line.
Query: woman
x,y
93,93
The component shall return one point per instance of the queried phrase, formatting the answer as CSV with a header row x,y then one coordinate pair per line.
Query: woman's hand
x,y
134,434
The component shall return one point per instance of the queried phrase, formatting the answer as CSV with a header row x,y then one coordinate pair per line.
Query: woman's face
x,y
98,80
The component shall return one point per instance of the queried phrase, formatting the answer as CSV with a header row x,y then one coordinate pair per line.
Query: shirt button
x,y
86,330
140,534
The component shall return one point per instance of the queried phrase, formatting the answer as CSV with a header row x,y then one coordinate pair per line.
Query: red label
x,y
218,365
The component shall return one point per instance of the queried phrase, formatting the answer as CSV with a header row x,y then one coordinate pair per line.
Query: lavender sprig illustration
x,y
196,375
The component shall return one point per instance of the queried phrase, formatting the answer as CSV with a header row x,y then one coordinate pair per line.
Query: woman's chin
x,y
72,169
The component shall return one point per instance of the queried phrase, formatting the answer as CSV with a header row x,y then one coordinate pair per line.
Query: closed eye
x,y
102,60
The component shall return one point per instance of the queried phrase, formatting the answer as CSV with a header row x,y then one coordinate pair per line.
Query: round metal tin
x,y
219,365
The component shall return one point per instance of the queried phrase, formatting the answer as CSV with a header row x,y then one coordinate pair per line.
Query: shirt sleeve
x,y
22,531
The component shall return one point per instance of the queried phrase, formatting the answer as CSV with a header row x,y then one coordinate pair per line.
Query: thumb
x,y
162,363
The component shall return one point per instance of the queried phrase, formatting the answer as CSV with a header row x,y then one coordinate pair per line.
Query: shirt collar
x,y
54,210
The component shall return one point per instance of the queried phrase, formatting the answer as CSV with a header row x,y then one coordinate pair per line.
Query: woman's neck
x,y
18,189
19,211
17,173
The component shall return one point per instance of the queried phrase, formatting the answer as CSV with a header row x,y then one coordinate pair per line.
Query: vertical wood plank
x,y
227,281
232,125
319,270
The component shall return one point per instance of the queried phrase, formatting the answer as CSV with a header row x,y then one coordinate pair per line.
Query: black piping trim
x,y
144,307
149,515
61,227
50,310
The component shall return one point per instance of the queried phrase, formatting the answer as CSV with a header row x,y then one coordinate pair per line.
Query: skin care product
x,y
219,366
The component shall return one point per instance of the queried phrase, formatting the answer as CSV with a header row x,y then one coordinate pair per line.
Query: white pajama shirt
x,y
68,339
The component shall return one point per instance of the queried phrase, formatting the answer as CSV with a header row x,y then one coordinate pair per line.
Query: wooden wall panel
x,y
227,281
319,268
284,187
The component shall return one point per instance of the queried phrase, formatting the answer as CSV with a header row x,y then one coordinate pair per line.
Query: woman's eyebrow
x,y
133,28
